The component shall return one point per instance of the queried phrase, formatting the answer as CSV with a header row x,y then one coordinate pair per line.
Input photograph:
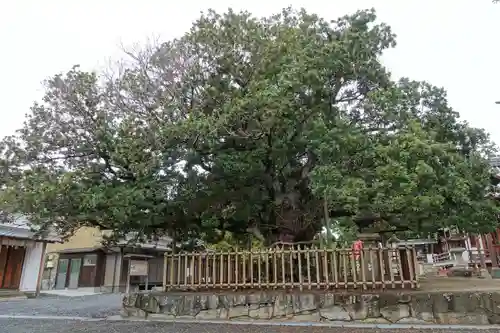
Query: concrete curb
x,y
309,324
119,318
42,317
13,298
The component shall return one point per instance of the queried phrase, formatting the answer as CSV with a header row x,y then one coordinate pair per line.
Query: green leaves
x,y
415,170
246,125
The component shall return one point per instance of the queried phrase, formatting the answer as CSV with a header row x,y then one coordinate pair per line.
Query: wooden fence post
x,y
298,267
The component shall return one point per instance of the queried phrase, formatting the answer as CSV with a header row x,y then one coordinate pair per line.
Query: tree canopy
x,y
256,126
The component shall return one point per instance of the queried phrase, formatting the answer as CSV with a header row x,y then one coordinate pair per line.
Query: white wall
x,y
109,269
31,268
112,260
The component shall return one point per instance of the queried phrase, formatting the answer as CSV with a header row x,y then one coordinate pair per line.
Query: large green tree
x,y
254,126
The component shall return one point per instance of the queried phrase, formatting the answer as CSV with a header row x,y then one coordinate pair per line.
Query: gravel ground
x,y
60,326
95,306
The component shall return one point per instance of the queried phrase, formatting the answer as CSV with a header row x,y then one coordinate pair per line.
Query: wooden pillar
x,y
127,287
165,271
493,255
41,269
115,264
481,251
119,277
146,283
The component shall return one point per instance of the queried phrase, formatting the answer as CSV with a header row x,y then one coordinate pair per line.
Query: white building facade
x,y
21,256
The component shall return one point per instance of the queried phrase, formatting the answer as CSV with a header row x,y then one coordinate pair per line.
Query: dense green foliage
x,y
248,125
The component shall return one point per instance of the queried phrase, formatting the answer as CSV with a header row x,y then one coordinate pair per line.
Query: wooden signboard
x,y
138,268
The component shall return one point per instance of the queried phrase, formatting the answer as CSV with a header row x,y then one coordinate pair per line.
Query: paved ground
x,y
58,326
450,284
95,306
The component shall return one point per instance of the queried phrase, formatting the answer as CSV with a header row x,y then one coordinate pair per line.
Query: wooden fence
x,y
292,268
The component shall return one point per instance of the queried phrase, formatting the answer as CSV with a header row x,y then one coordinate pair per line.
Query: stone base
x,y
495,273
6,295
484,273
460,272
466,308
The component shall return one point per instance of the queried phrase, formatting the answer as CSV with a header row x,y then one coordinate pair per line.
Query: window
x,y
90,260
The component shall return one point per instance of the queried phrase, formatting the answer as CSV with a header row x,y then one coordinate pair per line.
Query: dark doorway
x,y
11,266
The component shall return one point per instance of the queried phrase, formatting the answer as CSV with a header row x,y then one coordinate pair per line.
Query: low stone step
x,y
11,294
461,271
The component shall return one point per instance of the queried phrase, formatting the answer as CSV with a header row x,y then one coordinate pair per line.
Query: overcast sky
x,y
450,43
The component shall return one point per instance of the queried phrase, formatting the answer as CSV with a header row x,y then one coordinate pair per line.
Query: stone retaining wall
x,y
471,308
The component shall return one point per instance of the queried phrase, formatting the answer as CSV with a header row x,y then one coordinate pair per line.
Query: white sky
x,y
450,43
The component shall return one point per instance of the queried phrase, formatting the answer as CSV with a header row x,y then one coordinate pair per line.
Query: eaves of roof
x,y
16,232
